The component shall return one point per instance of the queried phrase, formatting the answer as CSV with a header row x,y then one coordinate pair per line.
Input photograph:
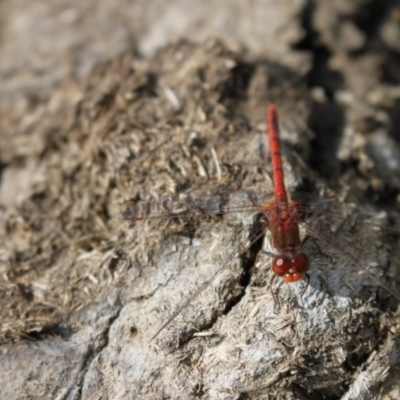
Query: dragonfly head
x,y
291,269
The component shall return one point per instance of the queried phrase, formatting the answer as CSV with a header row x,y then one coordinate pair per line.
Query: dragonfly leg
x,y
270,254
261,252
277,305
308,284
264,252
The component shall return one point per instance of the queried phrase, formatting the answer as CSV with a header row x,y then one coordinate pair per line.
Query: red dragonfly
x,y
281,217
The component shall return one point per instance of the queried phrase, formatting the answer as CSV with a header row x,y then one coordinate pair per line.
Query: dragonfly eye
x,y
301,262
281,265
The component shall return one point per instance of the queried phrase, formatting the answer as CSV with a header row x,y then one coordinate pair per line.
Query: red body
x,y
283,216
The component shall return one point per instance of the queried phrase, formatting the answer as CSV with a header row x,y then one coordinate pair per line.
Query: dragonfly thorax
x,y
291,269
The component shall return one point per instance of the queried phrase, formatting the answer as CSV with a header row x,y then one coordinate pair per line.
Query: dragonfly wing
x,y
220,200
313,206
243,247
352,256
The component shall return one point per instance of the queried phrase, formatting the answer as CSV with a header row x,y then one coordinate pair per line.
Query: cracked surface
x,y
82,293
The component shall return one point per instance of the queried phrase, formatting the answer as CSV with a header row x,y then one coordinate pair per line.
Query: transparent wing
x,y
220,200
310,205
244,246
313,207
351,255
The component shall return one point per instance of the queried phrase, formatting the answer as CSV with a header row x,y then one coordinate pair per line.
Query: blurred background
x,y
347,52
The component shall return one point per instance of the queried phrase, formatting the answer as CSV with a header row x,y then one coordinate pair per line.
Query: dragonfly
x,y
281,217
